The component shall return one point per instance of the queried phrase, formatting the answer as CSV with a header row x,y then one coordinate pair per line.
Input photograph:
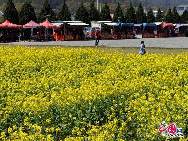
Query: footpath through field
x,y
176,42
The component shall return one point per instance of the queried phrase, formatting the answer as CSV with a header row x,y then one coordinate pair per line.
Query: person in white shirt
x,y
142,50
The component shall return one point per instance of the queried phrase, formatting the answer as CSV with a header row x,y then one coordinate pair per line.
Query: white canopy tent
x,y
58,24
78,24
180,25
112,24
72,21
104,21
158,23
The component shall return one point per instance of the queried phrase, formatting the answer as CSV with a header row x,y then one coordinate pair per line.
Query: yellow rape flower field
x,y
87,94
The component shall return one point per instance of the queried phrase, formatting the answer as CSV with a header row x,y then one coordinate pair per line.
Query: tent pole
x,y
45,34
64,30
31,32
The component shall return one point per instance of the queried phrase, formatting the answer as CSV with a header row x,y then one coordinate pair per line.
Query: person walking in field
x,y
142,50
97,37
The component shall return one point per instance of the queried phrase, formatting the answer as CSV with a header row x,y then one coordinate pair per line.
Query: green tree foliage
x,y
184,17
64,14
47,12
160,16
118,15
105,13
82,14
131,14
27,13
94,14
140,15
150,16
176,15
11,13
169,16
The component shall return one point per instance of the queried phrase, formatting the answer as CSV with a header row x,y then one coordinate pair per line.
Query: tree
x,y
27,13
47,12
159,17
11,13
105,13
176,15
131,15
150,16
64,14
140,15
82,14
169,16
118,15
93,12
184,17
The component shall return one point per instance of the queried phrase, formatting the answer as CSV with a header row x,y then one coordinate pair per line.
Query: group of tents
x,y
13,32
77,30
111,30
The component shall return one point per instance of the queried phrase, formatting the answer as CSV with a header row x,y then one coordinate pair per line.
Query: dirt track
x,y
177,42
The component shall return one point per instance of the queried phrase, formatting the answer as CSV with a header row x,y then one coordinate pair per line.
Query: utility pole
x,y
97,4
175,2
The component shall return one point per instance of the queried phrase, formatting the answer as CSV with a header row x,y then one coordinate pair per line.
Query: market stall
x,y
30,31
90,31
127,30
9,32
181,30
75,30
166,30
149,30
47,33
111,31
59,31
138,28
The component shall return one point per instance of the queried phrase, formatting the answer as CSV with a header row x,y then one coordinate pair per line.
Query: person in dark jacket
x,y
97,37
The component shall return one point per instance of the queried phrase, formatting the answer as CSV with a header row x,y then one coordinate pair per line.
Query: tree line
x,y
132,14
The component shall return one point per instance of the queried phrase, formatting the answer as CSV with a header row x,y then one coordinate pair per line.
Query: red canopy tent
x,y
10,31
167,30
8,24
47,24
31,24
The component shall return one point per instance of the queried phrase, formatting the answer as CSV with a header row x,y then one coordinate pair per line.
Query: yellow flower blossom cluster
x,y
77,94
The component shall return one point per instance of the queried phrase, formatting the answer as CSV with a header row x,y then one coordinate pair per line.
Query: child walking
x,y
142,50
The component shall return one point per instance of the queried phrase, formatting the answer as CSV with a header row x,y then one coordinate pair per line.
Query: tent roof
x,y
149,24
127,24
112,24
31,24
180,25
167,25
8,24
58,24
72,21
47,24
158,23
137,24
79,24
104,21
